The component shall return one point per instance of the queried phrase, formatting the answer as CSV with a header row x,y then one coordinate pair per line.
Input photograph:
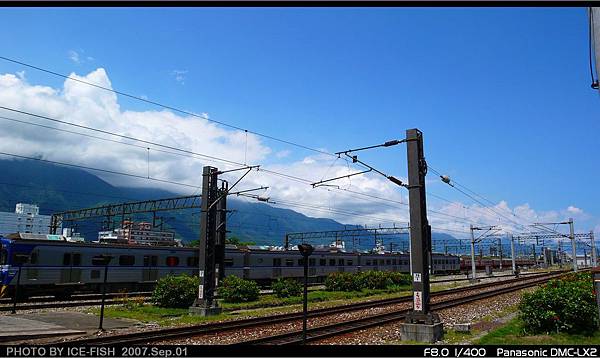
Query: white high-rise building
x,y
25,219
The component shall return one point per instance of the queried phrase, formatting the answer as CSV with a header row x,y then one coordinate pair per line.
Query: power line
x,y
291,177
164,106
119,135
98,169
204,157
476,200
288,176
65,191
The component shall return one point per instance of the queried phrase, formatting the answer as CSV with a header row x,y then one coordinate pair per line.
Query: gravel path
x,y
472,312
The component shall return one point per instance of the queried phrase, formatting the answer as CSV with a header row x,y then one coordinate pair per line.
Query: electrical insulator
x,y
445,179
391,142
395,180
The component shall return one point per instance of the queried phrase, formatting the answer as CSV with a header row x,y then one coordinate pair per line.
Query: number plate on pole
x,y
418,301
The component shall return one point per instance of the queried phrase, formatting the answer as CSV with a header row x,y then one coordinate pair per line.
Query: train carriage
x,y
61,268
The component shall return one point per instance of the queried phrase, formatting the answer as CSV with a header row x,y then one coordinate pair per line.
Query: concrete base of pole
x,y
420,332
204,311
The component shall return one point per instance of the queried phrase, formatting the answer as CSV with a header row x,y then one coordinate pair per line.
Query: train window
x,y
192,261
301,262
126,260
394,261
388,262
322,262
312,262
33,259
277,262
289,262
349,262
331,262
3,257
94,274
259,261
66,259
172,261
228,262
150,260
368,263
76,259
381,262
341,262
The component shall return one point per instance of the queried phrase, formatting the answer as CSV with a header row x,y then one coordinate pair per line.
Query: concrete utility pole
x,y
420,323
221,231
205,304
512,254
560,253
473,271
420,234
573,245
500,251
594,262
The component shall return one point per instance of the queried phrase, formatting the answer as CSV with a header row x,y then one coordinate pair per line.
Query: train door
x,y
276,267
71,270
150,271
246,273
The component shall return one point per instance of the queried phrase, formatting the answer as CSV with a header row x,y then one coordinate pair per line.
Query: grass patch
x,y
453,337
512,333
316,296
158,315
266,305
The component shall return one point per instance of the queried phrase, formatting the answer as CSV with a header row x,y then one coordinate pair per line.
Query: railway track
x,y
75,301
182,332
483,277
95,299
338,328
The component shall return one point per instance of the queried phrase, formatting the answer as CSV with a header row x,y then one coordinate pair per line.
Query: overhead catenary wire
x,y
156,144
175,109
477,200
98,169
120,135
187,152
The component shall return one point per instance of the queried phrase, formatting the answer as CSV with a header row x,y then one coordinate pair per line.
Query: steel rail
x,y
180,332
322,332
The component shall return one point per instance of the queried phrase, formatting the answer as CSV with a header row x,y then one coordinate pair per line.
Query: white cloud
x,y
90,106
78,56
574,210
179,75
74,56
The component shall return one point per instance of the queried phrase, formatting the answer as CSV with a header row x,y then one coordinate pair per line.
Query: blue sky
x,y
502,94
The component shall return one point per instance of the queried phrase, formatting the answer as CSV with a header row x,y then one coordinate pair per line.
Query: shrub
x,y
374,280
400,279
287,287
563,305
342,281
235,290
176,291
